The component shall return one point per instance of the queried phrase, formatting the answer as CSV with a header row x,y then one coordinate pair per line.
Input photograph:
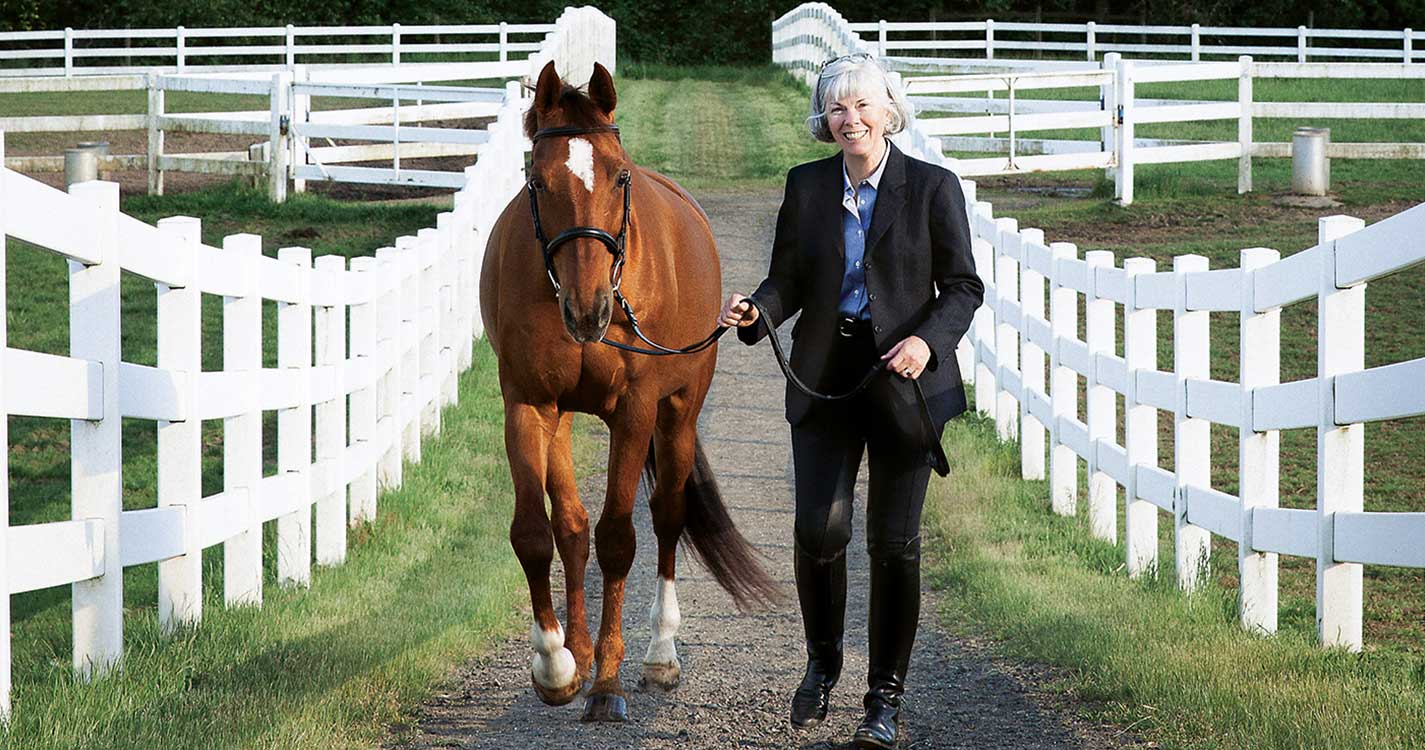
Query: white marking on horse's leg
x,y
581,161
553,665
663,619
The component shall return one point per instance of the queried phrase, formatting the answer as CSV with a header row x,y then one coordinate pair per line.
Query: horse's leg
x,y
614,542
571,538
675,445
527,431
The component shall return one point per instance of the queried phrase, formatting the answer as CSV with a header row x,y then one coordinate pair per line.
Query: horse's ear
x,y
547,91
601,90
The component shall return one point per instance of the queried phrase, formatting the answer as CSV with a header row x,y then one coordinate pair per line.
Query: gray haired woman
x,y
873,249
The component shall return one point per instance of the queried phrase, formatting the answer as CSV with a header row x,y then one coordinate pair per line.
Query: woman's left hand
x,y
908,358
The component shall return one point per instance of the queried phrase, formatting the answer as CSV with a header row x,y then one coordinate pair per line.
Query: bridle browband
x,y
617,246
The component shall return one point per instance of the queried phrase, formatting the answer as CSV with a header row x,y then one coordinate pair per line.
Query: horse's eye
x,y
537,184
624,177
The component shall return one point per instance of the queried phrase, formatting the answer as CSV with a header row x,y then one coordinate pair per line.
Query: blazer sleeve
x,y
960,291
780,294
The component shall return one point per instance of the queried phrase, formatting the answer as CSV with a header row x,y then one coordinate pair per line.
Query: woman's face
x,y
858,123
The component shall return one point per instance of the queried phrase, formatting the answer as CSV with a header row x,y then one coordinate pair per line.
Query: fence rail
x,y
413,317
1194,42
180,49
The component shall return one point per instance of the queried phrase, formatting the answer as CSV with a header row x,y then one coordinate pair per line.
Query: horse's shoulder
x,y
677,191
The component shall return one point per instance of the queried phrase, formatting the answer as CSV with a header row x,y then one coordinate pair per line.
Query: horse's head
x,y
578,179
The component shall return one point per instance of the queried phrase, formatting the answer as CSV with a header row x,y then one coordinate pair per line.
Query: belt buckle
x,y
847,326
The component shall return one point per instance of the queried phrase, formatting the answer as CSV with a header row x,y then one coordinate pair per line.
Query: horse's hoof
x,y
605,707
558,696
661,676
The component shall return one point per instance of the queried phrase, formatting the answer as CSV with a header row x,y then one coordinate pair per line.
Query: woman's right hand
x,y
737,312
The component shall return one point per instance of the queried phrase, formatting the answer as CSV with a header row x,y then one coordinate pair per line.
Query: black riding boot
x,y
821,589
894,615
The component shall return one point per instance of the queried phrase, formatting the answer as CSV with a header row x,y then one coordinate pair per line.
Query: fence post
x,y
1196,43
1108,99
294,425
881,38
242,434
989,39
301,107
290,46
1301,44
408,258
1340,449
1409,52
364,406
68,52
277,136
1192,447
5,658
449,279
1140,423
155,134
391,425
331,416
1244,126
1031,369
428,257
1091,40
96,446
1258,462
395,44
1007,254
1063,384
1102,413
504,41
181,41
983,250
1123,176
180,444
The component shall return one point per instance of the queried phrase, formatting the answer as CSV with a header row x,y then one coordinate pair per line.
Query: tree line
x,y
696,31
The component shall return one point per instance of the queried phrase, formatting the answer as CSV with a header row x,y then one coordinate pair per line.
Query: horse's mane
x,y
577,107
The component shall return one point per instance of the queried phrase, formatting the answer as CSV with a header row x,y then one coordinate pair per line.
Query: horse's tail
x,y
709,533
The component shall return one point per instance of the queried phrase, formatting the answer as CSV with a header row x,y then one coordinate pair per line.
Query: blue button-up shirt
x,y
860,204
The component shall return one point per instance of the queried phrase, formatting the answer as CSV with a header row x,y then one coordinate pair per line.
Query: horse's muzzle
x,y
587,325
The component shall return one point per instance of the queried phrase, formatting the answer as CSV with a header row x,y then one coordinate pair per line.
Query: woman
x,y
873,249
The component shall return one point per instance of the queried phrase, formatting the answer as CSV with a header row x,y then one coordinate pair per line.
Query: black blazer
x,y
920,279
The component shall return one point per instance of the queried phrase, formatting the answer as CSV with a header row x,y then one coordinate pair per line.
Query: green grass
x,y
1176,670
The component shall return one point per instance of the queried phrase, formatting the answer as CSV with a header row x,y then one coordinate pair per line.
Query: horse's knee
x,y
615,543
532,541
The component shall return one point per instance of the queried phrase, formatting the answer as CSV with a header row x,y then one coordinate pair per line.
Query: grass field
x,y
335,665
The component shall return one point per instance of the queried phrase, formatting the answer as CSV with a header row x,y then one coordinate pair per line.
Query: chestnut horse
x,y
548,306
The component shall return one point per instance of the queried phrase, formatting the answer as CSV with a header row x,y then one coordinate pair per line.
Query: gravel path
x,y
739,670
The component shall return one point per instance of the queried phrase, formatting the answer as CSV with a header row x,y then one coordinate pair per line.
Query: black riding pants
x,y
827,447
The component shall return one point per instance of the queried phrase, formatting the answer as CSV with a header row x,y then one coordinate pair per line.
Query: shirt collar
x,y
874,178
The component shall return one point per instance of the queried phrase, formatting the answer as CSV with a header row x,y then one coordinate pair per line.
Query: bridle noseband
x,y
617,246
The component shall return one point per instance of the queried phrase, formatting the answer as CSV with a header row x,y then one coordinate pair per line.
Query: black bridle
x,y
617,247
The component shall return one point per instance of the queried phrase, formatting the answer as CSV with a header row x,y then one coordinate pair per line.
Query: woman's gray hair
x,y
856,75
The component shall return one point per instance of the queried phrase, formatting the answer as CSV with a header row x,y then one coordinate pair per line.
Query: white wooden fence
x,y
290,123
71,52
1014,344
946,109
992,39
1024,359
413,318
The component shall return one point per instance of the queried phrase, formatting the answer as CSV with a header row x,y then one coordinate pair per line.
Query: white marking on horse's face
x,y
663,619
581,161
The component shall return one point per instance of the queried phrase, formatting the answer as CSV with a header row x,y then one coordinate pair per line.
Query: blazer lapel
x,y
832,189
890,198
